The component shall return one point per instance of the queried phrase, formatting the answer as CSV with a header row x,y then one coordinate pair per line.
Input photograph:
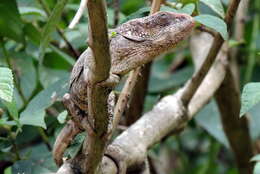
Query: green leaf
x,y
257,168
216,6
188,9
62,117
256,158
49,76
27,73
250,97
11,25
32,33
8,170
12,109
31,11
142,12
39,161
76,145
209,119
6,84
50,27
215,23
63,55
163,80
35,110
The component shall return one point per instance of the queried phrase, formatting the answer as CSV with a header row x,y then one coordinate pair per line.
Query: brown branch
x,y
193,84
228,100
236,129
124,97
98,115
116,4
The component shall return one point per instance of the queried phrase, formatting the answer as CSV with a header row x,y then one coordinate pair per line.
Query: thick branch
x,y
98,115
168,115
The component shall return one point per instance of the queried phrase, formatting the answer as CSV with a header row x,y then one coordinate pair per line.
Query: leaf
x,y
32,33
6,84
11,25
39,161
27,73
31,11
62,117
12,109
250,97
67,58
216,6
215,23
76,145
256,158
49,76
142,12
209,119
188,9
50,27
161,81
257,168
8,170
35,110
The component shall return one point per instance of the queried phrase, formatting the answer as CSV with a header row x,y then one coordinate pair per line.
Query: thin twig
x,y
124,97
75,20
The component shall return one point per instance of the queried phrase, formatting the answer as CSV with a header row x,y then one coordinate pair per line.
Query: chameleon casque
x,y
135,43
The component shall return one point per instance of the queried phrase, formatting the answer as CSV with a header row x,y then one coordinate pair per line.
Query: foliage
x,y
250,97
37,52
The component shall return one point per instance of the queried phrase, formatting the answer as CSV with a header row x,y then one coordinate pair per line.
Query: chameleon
x,y
132,44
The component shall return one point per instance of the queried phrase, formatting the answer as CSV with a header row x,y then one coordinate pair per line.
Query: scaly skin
x,y
135,43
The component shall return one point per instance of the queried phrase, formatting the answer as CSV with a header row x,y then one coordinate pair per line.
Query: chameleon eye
x,y
163,16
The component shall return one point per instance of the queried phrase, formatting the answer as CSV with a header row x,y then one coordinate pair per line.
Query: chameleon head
x,y
157,26
172,27
141,40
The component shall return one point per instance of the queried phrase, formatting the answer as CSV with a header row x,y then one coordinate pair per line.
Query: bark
x,y
98,116
236,128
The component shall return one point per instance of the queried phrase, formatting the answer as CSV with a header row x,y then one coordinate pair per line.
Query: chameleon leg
x,y
67,134
63,140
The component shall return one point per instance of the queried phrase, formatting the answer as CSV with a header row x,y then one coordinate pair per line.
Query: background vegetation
x,y
37,52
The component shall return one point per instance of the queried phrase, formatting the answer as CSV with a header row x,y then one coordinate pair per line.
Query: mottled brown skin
x,y
136,43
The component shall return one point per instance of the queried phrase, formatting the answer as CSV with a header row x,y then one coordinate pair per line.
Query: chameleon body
x,y
133,44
